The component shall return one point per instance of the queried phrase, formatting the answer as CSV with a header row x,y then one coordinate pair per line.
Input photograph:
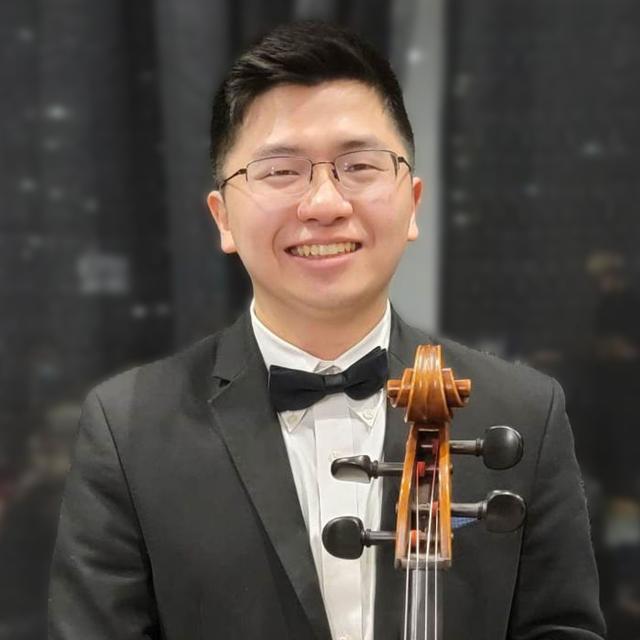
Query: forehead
x,y
317,120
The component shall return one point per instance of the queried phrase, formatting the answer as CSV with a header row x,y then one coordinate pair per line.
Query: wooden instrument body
x,y
430,393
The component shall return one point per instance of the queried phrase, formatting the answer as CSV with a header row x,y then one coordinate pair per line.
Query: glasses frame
x,y
397,160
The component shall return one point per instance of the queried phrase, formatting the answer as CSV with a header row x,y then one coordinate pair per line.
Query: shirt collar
x,y
276,351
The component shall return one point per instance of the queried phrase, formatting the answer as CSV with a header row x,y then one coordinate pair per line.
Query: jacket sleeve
x,y
100,577
556,595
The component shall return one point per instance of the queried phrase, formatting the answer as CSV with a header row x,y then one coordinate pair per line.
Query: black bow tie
x,y
292,389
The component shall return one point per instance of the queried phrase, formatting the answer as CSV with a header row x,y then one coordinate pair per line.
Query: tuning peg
x,y
502,511
346,537
362,469
501,447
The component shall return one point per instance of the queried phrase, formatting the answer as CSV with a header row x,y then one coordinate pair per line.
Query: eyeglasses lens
x,y
358,171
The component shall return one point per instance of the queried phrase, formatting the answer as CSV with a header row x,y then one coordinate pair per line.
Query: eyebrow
x,y
366,142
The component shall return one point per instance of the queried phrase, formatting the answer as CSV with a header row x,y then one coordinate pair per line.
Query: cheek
x,y
253,242
389,217
255,232
376,212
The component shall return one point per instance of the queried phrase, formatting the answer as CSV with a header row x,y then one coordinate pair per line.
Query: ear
x,y
416,191
219,212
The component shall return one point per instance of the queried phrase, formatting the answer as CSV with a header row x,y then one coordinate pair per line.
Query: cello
x,y
429,392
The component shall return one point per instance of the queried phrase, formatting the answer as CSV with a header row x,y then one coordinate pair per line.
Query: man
x,y
200,486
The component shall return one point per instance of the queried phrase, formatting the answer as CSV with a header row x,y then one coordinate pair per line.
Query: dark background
x,y
108,258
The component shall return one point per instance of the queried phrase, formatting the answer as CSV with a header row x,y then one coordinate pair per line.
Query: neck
x,y
325,334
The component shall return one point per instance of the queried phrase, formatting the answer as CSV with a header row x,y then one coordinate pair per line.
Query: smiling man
x,y
201,483
322,210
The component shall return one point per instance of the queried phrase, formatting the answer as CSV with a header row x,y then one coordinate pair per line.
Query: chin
x,y
338,302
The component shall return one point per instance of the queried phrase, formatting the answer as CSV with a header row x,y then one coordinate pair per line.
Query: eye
x,y
284,172
360,166
276,170
276,174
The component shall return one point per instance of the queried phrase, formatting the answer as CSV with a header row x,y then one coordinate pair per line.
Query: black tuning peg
x,y
501,447
362,469
346,537
502,511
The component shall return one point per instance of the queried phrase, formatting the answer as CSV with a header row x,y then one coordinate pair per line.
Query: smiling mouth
x,y
323,250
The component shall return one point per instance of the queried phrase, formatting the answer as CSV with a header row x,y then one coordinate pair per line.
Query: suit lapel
x,y
242,413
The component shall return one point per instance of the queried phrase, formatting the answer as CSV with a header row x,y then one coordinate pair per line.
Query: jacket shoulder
x,y
179,379
503,369
493,379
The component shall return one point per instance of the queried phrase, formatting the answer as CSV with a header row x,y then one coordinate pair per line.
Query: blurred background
x,y
527,126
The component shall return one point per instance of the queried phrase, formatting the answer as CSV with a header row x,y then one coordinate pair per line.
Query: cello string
x,y
435,578
406,584
428,551
415,582
406,592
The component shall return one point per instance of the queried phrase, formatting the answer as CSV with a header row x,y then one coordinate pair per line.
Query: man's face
x,y
318,123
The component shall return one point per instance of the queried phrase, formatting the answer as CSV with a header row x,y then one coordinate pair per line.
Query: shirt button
x,y
368,414
344,636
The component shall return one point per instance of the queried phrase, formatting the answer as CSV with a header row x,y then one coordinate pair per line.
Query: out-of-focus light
x,y
51,144
57,112
415,55
139,311
35,241
27,185
103,273
462,161
531,190
591,149
458,195
26,35
461,85
461,219
56,194
91,205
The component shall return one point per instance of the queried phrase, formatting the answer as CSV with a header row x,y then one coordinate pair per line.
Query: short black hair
x,y
305,53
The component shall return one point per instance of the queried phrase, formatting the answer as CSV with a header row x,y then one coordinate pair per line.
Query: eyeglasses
x,y
290,176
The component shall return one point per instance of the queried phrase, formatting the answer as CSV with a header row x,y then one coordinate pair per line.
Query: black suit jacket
x,y
181,521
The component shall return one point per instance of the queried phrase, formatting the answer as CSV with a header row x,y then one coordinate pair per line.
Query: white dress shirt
x,y
335,426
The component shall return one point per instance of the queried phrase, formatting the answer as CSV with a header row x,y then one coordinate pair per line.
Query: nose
x,y
324,202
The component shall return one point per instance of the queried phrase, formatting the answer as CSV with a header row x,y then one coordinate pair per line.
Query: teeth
x,y
305,250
